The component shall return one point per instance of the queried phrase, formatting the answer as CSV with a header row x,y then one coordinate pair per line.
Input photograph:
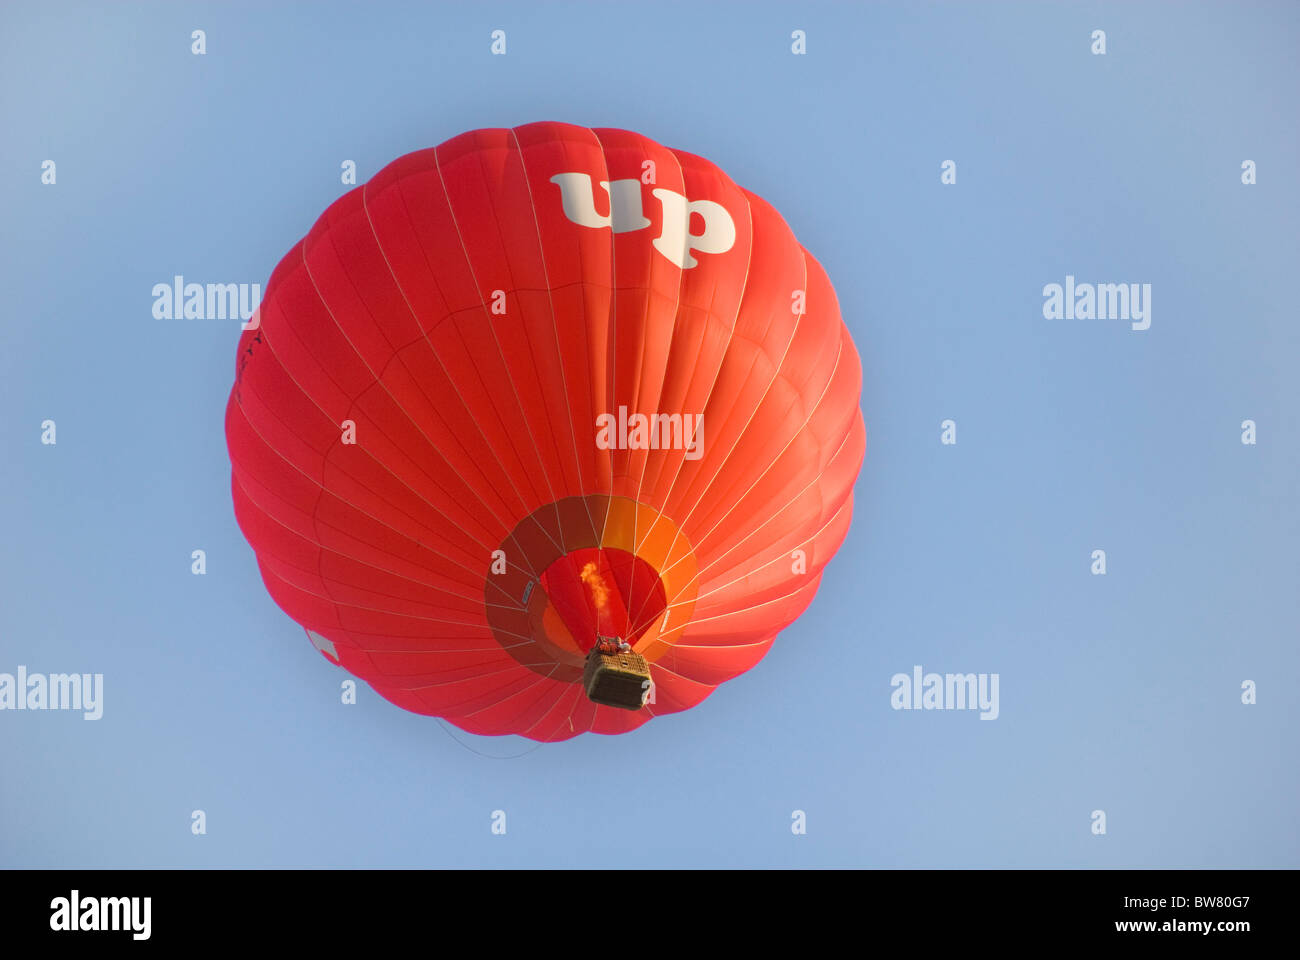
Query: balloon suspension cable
x,y
490,756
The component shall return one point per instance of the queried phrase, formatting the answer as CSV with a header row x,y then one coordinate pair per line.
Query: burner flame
x,y
592,578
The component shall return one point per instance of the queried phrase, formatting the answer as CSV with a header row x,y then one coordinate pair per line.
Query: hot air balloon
x,y
546,430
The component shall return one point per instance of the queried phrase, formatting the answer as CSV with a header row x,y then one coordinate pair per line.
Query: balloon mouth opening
x,y
604,592
585,567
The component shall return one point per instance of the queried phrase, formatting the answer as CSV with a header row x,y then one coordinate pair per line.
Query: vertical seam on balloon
x,y
572,693
353,406
491,645
337,624
731,334
378,381
833,514
538,680
316,523
659,666
677,306
740,434
674,698
509,666
283,561
639,376
315,510
831,519
559,353
566,691
586,704
505,472
765,641
491,329
320,483
609,383
266,339
593,714
611,333
487,443
735,322
834,510
794,436
812,584
396,358
256,503
523,329
437,165
321,490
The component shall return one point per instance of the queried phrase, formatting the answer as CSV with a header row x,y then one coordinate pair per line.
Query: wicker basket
x,y
616,679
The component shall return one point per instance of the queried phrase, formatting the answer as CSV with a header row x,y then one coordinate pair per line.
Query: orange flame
x,y
599,592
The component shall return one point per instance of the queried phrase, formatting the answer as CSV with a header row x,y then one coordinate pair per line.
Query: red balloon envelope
x,y
530,387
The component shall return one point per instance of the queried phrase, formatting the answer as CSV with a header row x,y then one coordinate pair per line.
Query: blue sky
x,y
1119,692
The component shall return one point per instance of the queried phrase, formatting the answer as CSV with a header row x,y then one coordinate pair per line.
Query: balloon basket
x,y
616,679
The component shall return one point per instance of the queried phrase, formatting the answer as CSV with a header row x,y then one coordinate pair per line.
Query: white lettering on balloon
x,y
626,214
